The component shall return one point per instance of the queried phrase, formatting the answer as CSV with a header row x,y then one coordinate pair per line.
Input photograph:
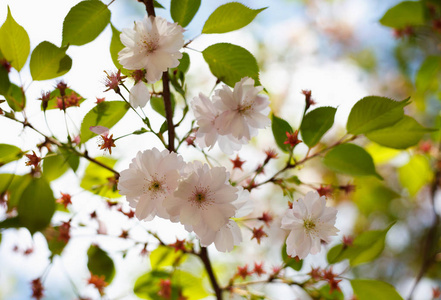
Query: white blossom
x,y
139,95
152,176
310,221
207,134
203,200
228,235
152,45
243,110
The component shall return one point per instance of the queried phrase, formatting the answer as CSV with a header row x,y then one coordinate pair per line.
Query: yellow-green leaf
x,y
48,61
14,42
183,11
367,289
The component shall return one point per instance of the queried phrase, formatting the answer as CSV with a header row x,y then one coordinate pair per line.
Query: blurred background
x,y
336,48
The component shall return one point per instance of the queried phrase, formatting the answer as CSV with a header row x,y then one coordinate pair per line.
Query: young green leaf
x,y
367,289
48,61
36,205
55,95
4,81
428,73
163,257
184,63
372,113
16,98
404,134
105,114
14,42
406,13
183,11
229,17
54,165
415,174
98,180
157,104
280,127
9,153
294,263
147,285
115,47
192,286
84,22
365,248
15,185
99,263
230,63
316,123
350,159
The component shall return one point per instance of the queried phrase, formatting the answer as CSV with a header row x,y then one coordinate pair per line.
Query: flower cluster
x,y
231,117
160,183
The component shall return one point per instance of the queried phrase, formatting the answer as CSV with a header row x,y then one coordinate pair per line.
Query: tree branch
x,y
168,111
207,264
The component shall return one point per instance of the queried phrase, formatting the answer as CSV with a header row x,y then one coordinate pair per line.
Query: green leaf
x,y
48,61
372,196
365,248
350,159
192,286
427,74
229,17
84,22
147,286
381,154
316,123
183,11
325,293
372,113
106,114
230,63
99,263
96,178
16,98
157,104
415,174
406,13
280,127
14,42
54,165
163,257
54,243
55,94
184,63
13,222
4,81
404,134
9,153
115,47
15,185
293,263
157,4
367,289
36,205
72,159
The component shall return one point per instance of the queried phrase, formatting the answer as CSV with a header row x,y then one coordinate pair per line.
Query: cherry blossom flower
x,y
229,235
152,176
139,95
152,45
207,134
310,222
243,109
203,199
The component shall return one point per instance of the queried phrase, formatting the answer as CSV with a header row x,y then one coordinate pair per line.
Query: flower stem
x,y
168,111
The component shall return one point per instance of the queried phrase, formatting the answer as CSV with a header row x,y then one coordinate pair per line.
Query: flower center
x,y
200,197
242,108
155,187
309,225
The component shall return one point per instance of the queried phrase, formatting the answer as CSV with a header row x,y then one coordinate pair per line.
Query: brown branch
x,y
168,111
207,264
150,7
